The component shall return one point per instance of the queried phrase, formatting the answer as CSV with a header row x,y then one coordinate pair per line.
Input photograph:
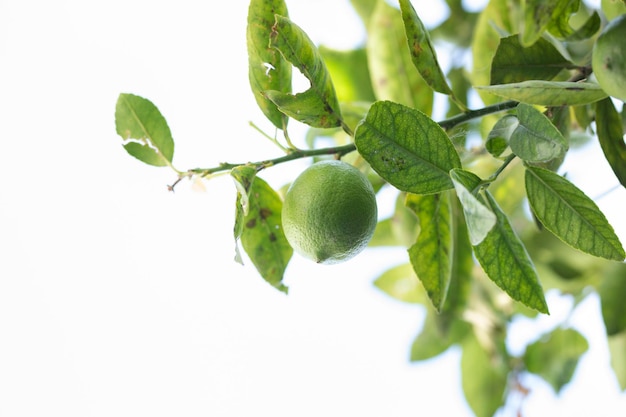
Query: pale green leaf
x,y
515,63
422,51
555,356
406,148
431,255
612,290
548,93
394,76
507,263
500,134
617,348
478,217
267,69
262,235
144,130
350,74
484,377
567,212
401,283
536,139
318,106
611,136
435,337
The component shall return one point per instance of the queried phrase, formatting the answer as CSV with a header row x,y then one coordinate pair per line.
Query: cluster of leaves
x,y
459,208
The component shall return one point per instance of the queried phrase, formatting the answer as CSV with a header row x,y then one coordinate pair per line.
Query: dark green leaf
x,y
267,69
567,212
611,136
537,16
612,290
262,235
617,348
478,217
401,283
394,76
422,52
146,134
431,255
484,375
406,148
500,135
317,106
548,93
514,63
555,356
536,139
506,262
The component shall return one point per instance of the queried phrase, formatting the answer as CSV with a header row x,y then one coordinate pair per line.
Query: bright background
x,y
120,298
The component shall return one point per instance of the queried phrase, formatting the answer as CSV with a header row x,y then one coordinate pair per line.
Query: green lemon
x,y
329,214
609,58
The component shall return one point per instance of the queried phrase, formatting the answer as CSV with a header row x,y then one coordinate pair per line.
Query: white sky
x,y
119,298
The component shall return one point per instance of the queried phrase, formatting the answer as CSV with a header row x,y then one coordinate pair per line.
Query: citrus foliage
x,y
459,210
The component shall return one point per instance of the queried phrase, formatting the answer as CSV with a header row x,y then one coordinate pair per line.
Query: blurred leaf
x,y
500,135
484,377
537,16
317,106
267,70
617,349
561,28
536,139
494,22
431,255
406,148
401,283
515,63
555,356
394,77
478,217
548,93
365,9
504,258
612,291
350,74
572,216
433,341
611,136
613,8
398,230
144,130
422,51
262,235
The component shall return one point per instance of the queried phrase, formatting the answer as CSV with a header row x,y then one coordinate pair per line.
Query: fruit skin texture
x,y
330,213
609,58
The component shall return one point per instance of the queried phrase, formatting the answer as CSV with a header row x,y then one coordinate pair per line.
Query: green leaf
x,y
613,8
144,130
567,212
611,136
350,74
548,93
431,255
500,135
555,356
317,106
612,290
243,177
484,376
433,340
507,263
398,230
401,284
267,69
262,235
479,218
536,139
406,148
422,52
617,349
515,63
537,16
561,28
393,74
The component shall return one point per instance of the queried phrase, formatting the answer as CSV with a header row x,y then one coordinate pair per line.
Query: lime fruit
x,y
330,213
608,59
